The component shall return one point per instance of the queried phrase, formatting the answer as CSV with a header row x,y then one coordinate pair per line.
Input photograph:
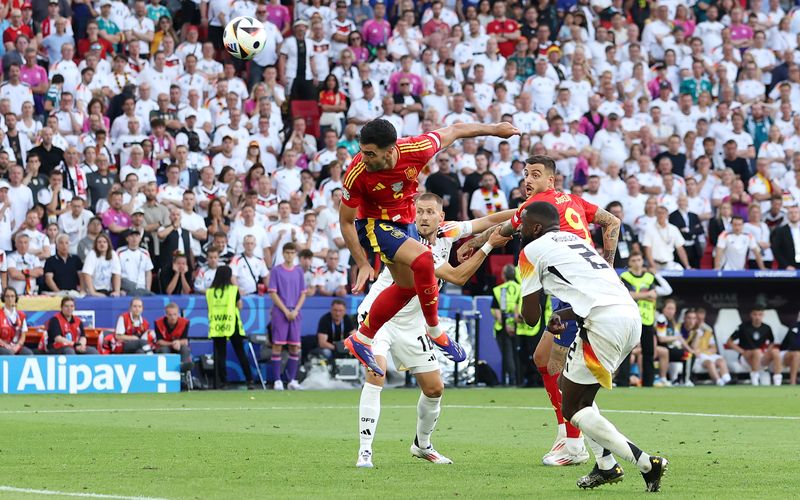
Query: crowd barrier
x,y
713,290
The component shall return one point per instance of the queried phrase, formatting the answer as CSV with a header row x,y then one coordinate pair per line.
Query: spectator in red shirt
x,y
506,30
94,42
17,27
436,23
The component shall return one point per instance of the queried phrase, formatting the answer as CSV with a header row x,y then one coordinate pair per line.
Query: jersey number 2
x,y
588,254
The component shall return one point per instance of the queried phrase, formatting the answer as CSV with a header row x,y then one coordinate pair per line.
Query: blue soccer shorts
x,y
384,237
568,336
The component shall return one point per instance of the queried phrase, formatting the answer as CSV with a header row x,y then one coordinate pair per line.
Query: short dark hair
x,y
338,302
613,204
379,132
290,247
737,217
545,160
306,254
431,197
544,213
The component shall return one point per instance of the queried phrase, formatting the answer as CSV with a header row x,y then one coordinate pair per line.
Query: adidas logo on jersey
x,y
378,187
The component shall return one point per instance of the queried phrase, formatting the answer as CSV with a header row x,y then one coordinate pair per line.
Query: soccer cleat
x,y
294,385
653,478
364,460
363,353
599,477
565,457
451,349
278,385
560,444
429,454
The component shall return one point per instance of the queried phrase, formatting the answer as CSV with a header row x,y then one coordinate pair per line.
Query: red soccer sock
x,y
553,392
386,305
426,287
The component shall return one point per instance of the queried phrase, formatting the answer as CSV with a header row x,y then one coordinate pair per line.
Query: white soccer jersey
x,y
134,264
566,267
410,316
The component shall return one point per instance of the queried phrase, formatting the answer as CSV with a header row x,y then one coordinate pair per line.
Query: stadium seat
x,y
310,111
496,264
778,329
707,260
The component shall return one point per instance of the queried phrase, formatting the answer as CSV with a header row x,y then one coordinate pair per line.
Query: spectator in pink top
x,y
378,30
279,15
741,33
417,85
115,219
36,78
682,19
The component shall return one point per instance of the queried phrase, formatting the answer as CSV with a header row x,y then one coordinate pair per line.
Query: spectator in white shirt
x,y
136,266
331,280
733,247
102,272
661,241
24,267
74,223
249,269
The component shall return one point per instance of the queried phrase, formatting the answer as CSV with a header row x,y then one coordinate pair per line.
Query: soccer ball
x,y
244,37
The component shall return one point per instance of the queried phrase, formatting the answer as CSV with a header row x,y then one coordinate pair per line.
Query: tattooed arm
x,y
466,250
610,225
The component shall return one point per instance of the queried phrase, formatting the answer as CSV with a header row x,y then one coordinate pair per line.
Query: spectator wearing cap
x,y
365,109
62,270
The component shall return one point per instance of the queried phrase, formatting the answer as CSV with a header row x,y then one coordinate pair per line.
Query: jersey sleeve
x,y
420,149
516,219
528,273
455,230
590,209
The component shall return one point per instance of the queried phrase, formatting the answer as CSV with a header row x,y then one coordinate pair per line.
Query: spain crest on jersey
x,y
411,173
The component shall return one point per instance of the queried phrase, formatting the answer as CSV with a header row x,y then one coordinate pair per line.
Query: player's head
x,y
377,139
430,213
510,272
539,218
539,173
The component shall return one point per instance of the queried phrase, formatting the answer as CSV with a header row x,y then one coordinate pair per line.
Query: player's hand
x,y
365,272
498,240
555,325
506,130
464,252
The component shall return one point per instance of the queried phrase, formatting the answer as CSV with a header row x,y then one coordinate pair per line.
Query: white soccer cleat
x,y
429,454
364,460
278,386
558,446
565,457
294,385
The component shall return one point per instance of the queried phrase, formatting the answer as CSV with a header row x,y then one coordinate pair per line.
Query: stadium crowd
x,y
137,156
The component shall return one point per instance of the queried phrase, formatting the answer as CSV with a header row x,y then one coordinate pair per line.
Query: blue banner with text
x,y
118,374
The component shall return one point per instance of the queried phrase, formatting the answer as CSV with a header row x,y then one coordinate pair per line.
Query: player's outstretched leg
x,y
568,448
369,411
578,406
606,469
428,410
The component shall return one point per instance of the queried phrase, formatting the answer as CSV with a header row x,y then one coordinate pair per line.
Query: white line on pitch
x,y
12,489
395,407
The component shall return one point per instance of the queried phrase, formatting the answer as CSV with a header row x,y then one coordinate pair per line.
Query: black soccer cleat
x,y
599,477
653,478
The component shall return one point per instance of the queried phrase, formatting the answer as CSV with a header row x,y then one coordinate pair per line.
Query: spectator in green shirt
x,y
697,83
156,11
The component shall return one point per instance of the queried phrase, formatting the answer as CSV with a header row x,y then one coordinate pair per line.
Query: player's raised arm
x,y
456,131
347,223
461,274
610,225
490,221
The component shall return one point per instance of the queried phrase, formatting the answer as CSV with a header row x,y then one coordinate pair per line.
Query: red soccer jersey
x,y
389,194
574,212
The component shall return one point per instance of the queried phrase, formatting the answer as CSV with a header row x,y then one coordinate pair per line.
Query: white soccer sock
x,y
433,332
726,378
369,410
603,432
428,410
755,378
777,379
605,460
363,338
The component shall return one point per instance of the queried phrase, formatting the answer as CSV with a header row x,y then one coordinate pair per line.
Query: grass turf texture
x,y
244,445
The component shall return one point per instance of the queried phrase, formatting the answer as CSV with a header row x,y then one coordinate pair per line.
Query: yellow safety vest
x,y
223,315
509,297
647,307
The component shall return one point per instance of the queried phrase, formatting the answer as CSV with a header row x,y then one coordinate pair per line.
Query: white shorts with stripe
x,y
612,332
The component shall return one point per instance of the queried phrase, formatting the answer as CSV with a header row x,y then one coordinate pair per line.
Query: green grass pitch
x,y
243,445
